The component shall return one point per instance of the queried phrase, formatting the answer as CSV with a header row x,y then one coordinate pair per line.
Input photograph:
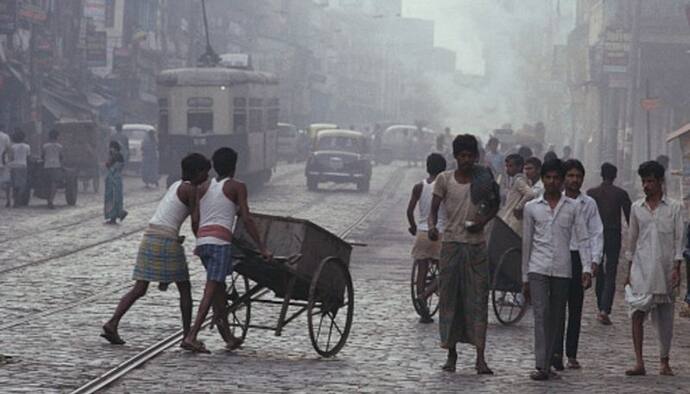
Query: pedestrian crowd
x,y
570,238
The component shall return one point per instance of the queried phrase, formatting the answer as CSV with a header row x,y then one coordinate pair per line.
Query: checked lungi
x,y
464,293
217,260
161,259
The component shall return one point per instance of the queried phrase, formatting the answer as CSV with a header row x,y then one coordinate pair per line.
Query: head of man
x,y
118,128
550,155
18,136
552,175
225,162
465,151
114,146
435,164
514,164
574,175
533,169
609,172
53,135
652,175
492,145
567,151
525,152
195,168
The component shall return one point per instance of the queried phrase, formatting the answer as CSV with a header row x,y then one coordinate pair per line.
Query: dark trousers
x,y
549,295
606,278
576,294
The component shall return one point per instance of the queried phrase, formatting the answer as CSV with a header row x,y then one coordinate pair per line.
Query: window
x,y
239,102
239,121
255,102
346,144
199,123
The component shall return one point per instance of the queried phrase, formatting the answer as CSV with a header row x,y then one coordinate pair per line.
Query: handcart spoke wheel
x,y
431,287
506,290
239,313
331,307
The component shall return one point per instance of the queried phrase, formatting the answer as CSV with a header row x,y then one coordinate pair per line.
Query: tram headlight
x,y
223,87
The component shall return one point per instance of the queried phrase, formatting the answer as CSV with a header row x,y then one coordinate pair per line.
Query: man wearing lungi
x,y
221,201
656,253
471,198
161,256
549,224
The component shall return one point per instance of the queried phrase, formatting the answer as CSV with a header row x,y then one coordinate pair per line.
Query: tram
x,y
203,109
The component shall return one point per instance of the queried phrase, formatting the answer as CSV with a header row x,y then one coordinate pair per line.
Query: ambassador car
x,y
339,156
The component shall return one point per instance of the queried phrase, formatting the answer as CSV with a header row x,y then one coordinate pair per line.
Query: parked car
x,y
293,144
136,133
340,156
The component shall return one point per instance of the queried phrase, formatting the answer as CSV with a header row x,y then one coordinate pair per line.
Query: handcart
x,y
505,266
314,277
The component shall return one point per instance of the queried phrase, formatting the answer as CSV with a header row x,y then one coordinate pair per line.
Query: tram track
x,y
141,358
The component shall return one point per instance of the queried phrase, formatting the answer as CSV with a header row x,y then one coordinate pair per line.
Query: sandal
x,y
195,347
112,336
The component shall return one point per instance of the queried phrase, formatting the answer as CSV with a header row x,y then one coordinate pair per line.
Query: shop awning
x,y
678,133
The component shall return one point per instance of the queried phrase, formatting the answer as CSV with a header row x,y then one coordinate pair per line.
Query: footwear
x,y
557,363
111,222
194,347
426,320
637,371
123,215
604,319
539,375
449,366
666,371
573,364
112,336
554,376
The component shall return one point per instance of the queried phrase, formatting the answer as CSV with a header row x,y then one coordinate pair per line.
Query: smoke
x,y
501,47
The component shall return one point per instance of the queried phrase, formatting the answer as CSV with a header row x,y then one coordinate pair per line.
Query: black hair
x,y
609,172
525,152
553,165
550,155
515,159
118,127
53,134
651,168
465,142
193,164
534,161
18,136
114,145
435,164
225,162
575,164
493,140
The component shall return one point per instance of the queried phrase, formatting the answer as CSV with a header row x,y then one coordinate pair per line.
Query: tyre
x,y
363,186
71,190
506,288
312,184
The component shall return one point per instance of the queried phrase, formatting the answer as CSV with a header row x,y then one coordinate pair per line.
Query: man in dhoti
x,y
471,198
656,252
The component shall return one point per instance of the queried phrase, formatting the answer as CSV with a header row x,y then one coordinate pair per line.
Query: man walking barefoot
x,y
656,247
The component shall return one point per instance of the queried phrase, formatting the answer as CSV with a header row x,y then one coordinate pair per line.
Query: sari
x,y
114,199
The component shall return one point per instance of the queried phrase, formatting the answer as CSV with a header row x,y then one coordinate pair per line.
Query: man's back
x,y
611,200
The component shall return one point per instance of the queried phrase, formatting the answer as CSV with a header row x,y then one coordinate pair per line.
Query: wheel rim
x,y
431,279
331,307
508,303
240,317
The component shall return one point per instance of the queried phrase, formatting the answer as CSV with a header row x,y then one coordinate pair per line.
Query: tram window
x,y
239,102
199,122
239,121
255,125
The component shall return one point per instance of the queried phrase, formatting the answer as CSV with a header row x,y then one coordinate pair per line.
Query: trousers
x,y
576,296
549,295
606,277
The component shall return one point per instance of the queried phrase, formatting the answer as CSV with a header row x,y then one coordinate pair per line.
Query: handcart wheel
x,y
431,280
240,316
506,288
330,291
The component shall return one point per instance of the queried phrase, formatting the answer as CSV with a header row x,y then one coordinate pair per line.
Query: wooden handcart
x,y
505,266
315,279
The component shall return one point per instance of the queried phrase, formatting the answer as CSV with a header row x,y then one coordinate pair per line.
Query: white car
x,y
136,133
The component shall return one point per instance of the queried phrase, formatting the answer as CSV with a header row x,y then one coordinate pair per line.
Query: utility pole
x,y
649,122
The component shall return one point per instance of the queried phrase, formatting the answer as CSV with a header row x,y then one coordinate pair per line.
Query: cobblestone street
x,y
62,272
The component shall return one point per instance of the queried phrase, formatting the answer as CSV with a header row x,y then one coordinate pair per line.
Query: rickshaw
x,y
505,272
312,276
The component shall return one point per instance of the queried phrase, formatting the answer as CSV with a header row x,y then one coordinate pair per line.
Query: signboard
x,y
121,60
649,104
8,16
616,45
97,49
33,13
95,10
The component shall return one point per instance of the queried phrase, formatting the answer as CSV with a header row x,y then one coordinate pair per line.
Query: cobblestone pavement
x,y
387,349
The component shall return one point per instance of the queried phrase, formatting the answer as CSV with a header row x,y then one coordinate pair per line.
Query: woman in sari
x,y
149,164
113,207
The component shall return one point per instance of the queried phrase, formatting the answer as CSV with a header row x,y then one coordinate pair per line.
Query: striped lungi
x,y
161,259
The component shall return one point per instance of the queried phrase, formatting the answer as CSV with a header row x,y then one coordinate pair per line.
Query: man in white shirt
x,y
550,222
655,255
19,152
52,164
574,177
5,143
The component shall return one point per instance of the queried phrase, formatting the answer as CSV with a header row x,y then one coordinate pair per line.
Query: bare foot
x,y
666,370
638,370
483,369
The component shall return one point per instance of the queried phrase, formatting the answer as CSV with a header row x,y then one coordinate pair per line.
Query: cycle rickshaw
x,y
505,269
313,278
